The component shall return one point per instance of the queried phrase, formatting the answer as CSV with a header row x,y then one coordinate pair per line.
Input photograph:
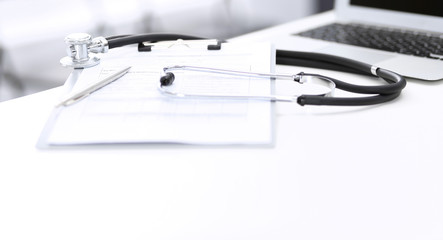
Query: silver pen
x,y
78,95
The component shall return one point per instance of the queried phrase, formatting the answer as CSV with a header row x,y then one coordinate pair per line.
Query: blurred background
x,y
32,32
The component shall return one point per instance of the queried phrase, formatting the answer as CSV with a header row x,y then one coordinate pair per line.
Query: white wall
x,y
32,32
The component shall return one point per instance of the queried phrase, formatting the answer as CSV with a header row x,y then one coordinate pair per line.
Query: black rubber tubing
x,y
383,93
123,40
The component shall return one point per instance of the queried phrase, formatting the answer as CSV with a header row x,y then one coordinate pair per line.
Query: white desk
x,y
334,173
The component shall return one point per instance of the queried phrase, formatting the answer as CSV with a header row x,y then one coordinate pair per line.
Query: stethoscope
x,y
82,47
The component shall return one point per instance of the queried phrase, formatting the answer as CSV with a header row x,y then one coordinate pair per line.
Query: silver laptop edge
x,y
409,66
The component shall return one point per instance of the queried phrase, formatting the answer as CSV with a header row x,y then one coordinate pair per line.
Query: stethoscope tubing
x,y
123,40
396,81
379,93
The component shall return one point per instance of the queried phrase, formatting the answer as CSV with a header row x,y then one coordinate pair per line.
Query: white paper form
x,y
132,110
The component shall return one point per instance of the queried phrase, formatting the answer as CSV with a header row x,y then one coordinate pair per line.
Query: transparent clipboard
x,y
131,110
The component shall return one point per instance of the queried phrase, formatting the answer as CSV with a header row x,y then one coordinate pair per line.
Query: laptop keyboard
x,y
392,40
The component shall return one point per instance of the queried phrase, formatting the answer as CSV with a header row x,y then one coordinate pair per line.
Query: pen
x,y
74,97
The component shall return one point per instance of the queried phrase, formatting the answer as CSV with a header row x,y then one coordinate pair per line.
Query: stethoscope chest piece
x,y
81,50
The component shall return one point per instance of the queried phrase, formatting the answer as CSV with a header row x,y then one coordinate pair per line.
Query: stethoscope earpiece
x,y
167,79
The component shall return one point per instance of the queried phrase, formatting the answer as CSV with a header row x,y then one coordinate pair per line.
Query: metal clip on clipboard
x,y
209,44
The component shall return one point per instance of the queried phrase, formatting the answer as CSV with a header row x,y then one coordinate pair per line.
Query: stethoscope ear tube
x,y
382,93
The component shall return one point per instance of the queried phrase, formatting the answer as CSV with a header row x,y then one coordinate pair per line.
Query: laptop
x,y
370,30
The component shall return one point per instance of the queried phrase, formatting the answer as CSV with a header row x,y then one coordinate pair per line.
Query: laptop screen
x,y
426,7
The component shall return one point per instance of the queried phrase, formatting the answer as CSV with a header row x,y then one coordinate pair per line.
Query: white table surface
x,y
334,173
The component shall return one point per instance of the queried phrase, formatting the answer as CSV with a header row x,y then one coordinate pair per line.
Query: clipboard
x,y
132,111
